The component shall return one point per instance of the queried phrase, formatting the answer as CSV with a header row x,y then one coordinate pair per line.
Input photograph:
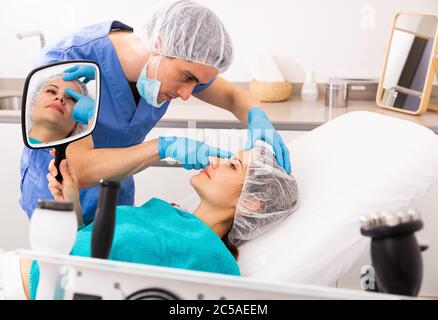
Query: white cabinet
x,y
235,140
170,184
192,133
13,220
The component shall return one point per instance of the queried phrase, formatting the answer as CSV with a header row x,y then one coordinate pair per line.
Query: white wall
x,y
335,38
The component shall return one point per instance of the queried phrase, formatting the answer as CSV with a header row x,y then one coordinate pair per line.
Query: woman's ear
x,y
251,204
237,197
158,42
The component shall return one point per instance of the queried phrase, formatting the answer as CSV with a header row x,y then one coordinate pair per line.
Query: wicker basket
x,y
271,91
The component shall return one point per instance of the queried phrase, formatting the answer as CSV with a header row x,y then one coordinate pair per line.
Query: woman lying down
x,y
241,198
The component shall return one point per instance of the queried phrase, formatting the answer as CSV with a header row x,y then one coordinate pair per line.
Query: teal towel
x,y
158,234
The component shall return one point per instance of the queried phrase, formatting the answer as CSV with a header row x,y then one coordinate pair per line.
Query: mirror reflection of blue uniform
x,y
121,121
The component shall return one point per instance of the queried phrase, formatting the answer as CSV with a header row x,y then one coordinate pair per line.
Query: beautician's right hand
x,y
192,154
83,108
77,72
68,190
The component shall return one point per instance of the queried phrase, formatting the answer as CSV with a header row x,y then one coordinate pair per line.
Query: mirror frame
x,y
432,71
24,101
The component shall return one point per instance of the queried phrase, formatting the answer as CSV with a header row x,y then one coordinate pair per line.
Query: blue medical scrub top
x,y
121,122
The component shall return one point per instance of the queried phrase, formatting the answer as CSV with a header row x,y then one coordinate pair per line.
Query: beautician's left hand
x,y
84,107
68,190
260,128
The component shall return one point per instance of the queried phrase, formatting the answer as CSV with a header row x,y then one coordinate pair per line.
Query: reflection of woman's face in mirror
x,y
52,111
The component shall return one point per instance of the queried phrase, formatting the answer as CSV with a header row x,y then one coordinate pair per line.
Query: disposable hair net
x,y
189,31
39,88
269,195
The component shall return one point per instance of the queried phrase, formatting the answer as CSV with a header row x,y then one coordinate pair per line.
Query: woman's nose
x,y
60,99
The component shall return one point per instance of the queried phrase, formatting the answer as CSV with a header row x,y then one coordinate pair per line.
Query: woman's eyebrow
x,y
53,85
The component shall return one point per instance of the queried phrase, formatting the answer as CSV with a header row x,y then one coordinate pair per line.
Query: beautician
x,y
180,51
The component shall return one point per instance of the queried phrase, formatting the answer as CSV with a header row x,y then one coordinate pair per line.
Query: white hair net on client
x,y
42,84
189,31
269,195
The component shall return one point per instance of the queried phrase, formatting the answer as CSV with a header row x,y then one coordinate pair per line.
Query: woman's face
x,y
220,184
53,107
178,77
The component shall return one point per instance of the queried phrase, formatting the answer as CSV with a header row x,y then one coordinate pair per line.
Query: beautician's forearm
x,y
91,165
241,103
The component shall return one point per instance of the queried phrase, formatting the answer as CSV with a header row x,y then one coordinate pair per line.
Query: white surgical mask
x,y
148,88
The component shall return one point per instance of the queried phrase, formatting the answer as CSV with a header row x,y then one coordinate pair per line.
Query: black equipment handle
x,y
105,219
59,156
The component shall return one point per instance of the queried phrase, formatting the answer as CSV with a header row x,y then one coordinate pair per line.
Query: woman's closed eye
x,y
234,163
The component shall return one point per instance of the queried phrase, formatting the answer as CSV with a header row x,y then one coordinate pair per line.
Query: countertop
x,y
9,93
293,114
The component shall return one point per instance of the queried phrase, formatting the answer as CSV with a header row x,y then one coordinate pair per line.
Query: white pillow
x,y
354,165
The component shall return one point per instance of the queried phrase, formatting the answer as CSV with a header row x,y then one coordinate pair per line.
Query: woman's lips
x,y
57,106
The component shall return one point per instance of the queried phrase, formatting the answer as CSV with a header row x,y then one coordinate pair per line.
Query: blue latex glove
x,y
84,107
260,128
191,153
77,72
